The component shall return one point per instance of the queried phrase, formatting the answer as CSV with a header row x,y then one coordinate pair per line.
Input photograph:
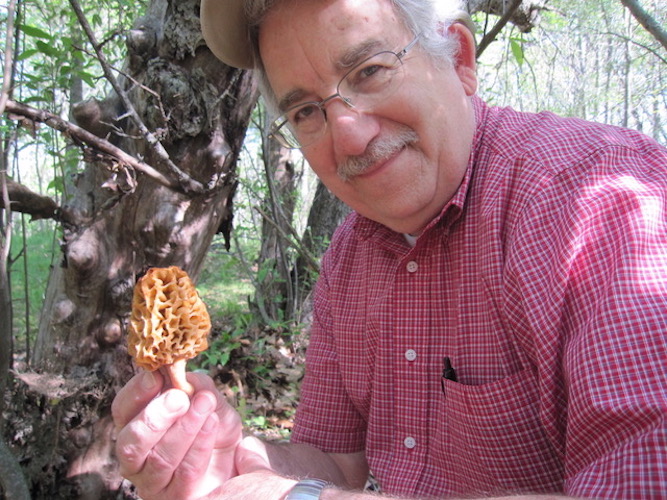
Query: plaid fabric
x,y
544,281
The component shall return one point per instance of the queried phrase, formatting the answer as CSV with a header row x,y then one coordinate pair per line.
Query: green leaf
x,y
47,49
26,54
87,77
517,50
34,32
35,98
224,358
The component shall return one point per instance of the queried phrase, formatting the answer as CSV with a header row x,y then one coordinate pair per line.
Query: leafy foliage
x,y
586,59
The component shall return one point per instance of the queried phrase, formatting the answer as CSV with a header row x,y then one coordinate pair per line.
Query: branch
x,y
634,42
645,19
9,57
91,140
25,201
497,28
188,183
310,259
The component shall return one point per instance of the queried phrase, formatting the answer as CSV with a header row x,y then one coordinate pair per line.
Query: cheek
x,y
322,162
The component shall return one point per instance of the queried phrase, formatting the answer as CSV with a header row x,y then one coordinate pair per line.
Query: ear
x,y
466,62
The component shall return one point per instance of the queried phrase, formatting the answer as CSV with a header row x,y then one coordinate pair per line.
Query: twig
x,y
634,42
188,183
493,33
645,19
250,274
92,140
134,81
310,260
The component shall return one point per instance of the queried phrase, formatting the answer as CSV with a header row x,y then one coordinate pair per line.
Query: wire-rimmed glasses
x,y
366,84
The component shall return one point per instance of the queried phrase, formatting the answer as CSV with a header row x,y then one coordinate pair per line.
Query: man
x,y
490,321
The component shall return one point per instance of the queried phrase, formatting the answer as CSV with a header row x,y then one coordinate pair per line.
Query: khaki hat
x,y
225,29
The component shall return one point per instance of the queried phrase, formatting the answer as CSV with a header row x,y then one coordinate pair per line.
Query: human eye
x,y
304,116
372,74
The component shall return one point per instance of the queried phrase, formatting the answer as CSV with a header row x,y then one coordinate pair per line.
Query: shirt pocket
x,y
497,427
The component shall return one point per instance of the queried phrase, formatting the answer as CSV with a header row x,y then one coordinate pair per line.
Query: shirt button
x,y
409,442
410,354
412,266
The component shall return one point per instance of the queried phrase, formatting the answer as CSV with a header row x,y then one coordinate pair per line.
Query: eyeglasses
x,y
364,86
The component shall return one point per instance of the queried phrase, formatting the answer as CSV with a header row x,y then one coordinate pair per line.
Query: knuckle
x,y
159,462
188,473
154,423
129,454
190,425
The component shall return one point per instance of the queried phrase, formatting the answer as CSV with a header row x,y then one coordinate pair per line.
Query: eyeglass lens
x,y
369,82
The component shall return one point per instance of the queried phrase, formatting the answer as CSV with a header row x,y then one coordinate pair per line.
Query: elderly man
x,y
491,319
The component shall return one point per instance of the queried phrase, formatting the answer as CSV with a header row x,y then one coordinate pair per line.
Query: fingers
x,y
192,475
169,446
251,456
135,441
134,397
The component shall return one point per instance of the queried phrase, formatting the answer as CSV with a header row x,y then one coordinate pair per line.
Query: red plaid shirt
x,y
544,280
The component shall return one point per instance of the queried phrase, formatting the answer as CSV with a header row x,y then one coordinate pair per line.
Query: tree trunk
x,y
326,213
120,223
274,295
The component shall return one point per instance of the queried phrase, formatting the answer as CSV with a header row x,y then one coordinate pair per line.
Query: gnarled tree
x,y
182,116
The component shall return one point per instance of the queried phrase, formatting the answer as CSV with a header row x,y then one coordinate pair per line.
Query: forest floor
x,y
261,378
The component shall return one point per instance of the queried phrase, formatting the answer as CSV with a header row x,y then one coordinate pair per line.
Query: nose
x,y
351,129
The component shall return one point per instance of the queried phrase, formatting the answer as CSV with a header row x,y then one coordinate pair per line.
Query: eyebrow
x,y
359,52
291,98
349,58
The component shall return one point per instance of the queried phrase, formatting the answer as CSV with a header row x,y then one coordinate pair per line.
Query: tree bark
x,y
121,222
11,480
326,214
647,21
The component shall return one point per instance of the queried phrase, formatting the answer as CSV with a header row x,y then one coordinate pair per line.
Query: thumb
x,y
251,456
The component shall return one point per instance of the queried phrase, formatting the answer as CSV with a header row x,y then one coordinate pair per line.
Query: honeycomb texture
x,y
169,321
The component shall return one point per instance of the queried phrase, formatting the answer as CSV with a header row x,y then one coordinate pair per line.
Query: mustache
x,y
380,149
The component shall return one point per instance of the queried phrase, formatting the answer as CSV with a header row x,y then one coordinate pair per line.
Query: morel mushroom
x,y
169,323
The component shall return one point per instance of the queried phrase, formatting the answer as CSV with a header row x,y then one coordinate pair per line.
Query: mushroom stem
x,y
176,373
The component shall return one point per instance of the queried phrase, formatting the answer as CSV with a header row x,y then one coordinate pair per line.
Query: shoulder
x,y
541,165
558,144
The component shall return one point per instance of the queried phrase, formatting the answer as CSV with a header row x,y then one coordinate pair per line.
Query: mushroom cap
x,y
169,321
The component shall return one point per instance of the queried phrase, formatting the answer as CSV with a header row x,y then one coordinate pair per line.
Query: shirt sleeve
x,y
326,417
587,282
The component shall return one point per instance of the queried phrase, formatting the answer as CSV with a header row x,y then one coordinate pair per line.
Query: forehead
x,y
308,43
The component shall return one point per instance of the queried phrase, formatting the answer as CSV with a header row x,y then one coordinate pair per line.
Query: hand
x,y
260,485
171,447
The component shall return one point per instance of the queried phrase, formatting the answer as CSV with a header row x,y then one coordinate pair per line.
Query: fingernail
x,y
148,381
203,404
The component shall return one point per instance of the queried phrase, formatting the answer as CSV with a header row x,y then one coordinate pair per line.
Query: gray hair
x,y
430,18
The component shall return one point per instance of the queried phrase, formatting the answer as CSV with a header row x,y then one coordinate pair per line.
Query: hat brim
x,y
225,30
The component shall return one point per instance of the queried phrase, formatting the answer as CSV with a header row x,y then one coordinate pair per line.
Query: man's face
x,y
425,127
